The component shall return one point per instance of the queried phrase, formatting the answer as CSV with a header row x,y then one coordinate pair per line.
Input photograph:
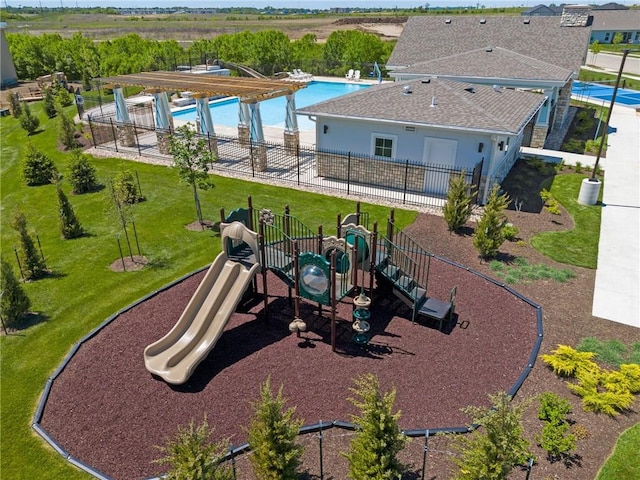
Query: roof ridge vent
x,y
526,21
448,21
496,88
426,80
406,90
483,21
488,49
433,101
470,90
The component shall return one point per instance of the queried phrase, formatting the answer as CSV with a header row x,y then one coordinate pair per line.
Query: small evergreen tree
x,y
125,188
67,130
493,450
82,174
69,224
374,449
272,436
15,105
38,168
193,457
63,97
32,262
489,233
28,120
555,438
191,156
49,103
14,303
459,207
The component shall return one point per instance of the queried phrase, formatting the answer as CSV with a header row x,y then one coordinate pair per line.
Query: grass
x,y
620,465
586,75
578,246
522,271
611,352
72,301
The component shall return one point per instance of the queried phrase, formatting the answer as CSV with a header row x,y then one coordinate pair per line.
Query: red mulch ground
x,y
109,412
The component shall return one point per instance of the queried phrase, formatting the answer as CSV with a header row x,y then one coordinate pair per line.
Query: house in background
x,y
543,11
529,45
411,125
606,23
7,67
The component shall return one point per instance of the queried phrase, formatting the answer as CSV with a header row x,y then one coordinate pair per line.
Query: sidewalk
x,y
617,286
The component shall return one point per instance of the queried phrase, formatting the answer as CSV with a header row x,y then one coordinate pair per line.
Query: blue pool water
x,y
273,111
597,92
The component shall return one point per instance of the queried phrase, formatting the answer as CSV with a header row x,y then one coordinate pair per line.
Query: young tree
x,y
272,436
67,130
14,302
595,48
459,207
69,224
617,38
375,446
49,103
125,189
16,106
191,156
33,264
82,174
489,234
38,168
493,450
192,456
28,120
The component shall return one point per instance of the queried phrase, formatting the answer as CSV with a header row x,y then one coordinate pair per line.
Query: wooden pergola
x,y
248,90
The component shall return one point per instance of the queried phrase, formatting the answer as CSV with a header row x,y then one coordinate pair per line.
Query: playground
x,y
129,385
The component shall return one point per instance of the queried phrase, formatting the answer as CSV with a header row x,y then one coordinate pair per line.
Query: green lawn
x,y
578,246
82,291
620,465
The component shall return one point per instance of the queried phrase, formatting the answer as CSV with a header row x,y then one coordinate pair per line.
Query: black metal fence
x,y
376,179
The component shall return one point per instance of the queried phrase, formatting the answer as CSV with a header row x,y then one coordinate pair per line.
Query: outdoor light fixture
x,y
501,146
480,147
325,128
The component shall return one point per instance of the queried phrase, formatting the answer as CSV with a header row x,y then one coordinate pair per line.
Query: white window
x,y
383,145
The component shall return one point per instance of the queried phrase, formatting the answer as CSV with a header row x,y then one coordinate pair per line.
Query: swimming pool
x,y
272,112
595,91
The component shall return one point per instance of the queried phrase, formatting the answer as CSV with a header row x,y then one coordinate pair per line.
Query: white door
x,y
439,156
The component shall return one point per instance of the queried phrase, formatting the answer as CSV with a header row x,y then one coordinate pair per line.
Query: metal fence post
x,y
93,137
115,134
135,132
424,453
348,173
298,161
406,175
320,443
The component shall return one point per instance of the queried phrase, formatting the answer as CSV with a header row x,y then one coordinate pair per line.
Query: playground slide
x,y
176,355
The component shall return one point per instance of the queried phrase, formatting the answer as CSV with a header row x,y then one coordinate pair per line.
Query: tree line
x,y
268,52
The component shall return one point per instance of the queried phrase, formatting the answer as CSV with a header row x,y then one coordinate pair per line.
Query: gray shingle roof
x,y
616,20
429,38
458,105
491,62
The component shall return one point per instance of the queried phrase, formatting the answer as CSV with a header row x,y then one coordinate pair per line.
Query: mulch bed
x,y
108,411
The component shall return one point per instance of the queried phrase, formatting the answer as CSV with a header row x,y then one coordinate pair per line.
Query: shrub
x,y
34,266
510,231
374,449
82,174
557,440
64,97
49,103
69,224
567,362
492,452
14,302
28,121
15,105
459,207
578,168
193,457
489,236
272,435
125,188
38,168
553,408
67,131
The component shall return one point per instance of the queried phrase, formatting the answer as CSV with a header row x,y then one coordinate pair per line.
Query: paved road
x,y
608,61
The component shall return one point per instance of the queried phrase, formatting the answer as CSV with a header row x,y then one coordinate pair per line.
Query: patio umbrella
x,y
256,134
243,113
291,120
122,114
204,115
162,120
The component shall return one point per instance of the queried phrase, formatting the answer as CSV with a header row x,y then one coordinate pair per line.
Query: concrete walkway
x,y
617,287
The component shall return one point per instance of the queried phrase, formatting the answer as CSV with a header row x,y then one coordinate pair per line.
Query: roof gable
x,y
491,62
616,20
458,105
430,37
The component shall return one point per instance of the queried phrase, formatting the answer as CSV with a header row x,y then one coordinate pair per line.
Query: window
x,y
607,36
384,145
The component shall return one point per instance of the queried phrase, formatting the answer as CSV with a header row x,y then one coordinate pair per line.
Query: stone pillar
x,y
163,137
259,158
213,145
243,135
562,106
538,136
291,141
126,135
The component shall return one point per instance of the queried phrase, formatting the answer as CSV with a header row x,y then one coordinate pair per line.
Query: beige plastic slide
x,y
176,355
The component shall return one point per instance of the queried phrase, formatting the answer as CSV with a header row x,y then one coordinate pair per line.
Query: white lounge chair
x,y
349,74
356,76
305,77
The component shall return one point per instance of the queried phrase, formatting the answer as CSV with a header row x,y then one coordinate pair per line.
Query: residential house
x,y
423,123
543,11
532,53
606,23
